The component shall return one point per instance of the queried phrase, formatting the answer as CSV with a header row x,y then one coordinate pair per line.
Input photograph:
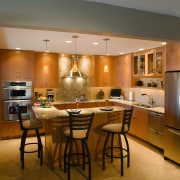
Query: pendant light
x,y
106,67
106,40
75,72
46,56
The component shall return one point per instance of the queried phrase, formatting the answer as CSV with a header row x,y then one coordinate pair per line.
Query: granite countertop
x,y
52,112
158,109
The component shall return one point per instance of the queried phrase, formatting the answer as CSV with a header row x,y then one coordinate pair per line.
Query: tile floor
x,y
147,163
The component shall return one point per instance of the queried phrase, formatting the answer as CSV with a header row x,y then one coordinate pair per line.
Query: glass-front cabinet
x,y
147,63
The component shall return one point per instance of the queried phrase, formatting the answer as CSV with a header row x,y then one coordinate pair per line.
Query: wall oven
x,y
16,92
9,111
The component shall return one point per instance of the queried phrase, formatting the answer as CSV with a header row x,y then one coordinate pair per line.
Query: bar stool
x,y
118,129
25,126
78,131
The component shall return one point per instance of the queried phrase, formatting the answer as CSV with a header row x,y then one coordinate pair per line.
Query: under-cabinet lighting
x,y
95,43
164,43
68,41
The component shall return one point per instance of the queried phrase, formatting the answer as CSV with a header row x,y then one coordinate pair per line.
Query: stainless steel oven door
x,y
17,93
9,112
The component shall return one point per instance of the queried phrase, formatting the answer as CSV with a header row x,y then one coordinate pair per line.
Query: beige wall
x,y
88,17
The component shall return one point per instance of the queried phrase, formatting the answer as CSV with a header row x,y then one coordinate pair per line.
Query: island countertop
x,y
53,112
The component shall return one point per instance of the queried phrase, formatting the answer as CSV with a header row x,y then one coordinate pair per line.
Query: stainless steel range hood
x,y
74,72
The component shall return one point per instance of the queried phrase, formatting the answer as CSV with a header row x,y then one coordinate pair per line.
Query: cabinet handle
x,y
174,131
155,131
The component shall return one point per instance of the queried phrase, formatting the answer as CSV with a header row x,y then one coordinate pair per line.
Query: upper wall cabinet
x,y
123,70
148,63
46,70
17,65
104,71
173,56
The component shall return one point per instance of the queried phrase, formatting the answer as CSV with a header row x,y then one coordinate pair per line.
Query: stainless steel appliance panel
x,y
172,99
9,113
156,129
16,83
172,145
17,93
172,115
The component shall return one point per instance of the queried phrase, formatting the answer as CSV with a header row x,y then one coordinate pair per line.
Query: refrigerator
x,y
172,116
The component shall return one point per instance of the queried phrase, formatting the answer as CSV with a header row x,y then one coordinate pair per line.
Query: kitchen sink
x,y
143,105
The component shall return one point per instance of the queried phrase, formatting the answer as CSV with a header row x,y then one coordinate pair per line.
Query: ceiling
x,y
29,39
156,6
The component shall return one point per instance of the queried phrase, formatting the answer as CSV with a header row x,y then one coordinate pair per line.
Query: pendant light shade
x,y
75,72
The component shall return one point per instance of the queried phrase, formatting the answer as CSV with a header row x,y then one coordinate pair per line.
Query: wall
x,y
88,17
158,95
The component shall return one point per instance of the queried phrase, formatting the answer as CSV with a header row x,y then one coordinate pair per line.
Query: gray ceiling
x,y
167,7
32,39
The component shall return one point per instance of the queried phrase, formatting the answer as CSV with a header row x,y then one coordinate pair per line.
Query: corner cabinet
x,y
148,64
17,65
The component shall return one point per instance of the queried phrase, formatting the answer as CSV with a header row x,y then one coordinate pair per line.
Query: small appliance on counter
x,y
131,96
50,95
115,93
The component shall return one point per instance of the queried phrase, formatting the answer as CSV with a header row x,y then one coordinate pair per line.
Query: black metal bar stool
x,y
78,131
25,126
117,150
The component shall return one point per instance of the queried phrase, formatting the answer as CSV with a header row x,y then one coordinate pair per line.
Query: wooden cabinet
x,y
149,64
12,130
46,70
17,65
139,123
122,70
172,56
82,105
104,71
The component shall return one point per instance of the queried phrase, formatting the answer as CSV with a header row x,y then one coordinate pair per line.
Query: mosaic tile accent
x,y
72,88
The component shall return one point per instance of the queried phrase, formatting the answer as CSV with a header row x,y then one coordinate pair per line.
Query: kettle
x,y
139,83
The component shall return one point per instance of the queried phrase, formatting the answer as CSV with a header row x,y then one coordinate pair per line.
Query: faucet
x,y
151,101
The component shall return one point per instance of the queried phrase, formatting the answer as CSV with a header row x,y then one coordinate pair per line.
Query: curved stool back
x,y
25,126
79,127
117,129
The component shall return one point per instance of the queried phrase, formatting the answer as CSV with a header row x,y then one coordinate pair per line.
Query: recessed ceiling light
x,y
141,49
164,43
18,48
95,43
121,53
68,41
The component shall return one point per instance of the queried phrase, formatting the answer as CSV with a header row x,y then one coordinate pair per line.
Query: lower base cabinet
x,y
11,130
139,123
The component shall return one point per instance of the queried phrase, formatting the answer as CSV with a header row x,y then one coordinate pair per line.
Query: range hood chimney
x,y
75,72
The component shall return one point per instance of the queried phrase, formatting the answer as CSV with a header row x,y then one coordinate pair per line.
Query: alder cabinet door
x,y
17,65
139,123
46,70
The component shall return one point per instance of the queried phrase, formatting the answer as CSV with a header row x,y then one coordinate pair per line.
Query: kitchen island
x,y
55,122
